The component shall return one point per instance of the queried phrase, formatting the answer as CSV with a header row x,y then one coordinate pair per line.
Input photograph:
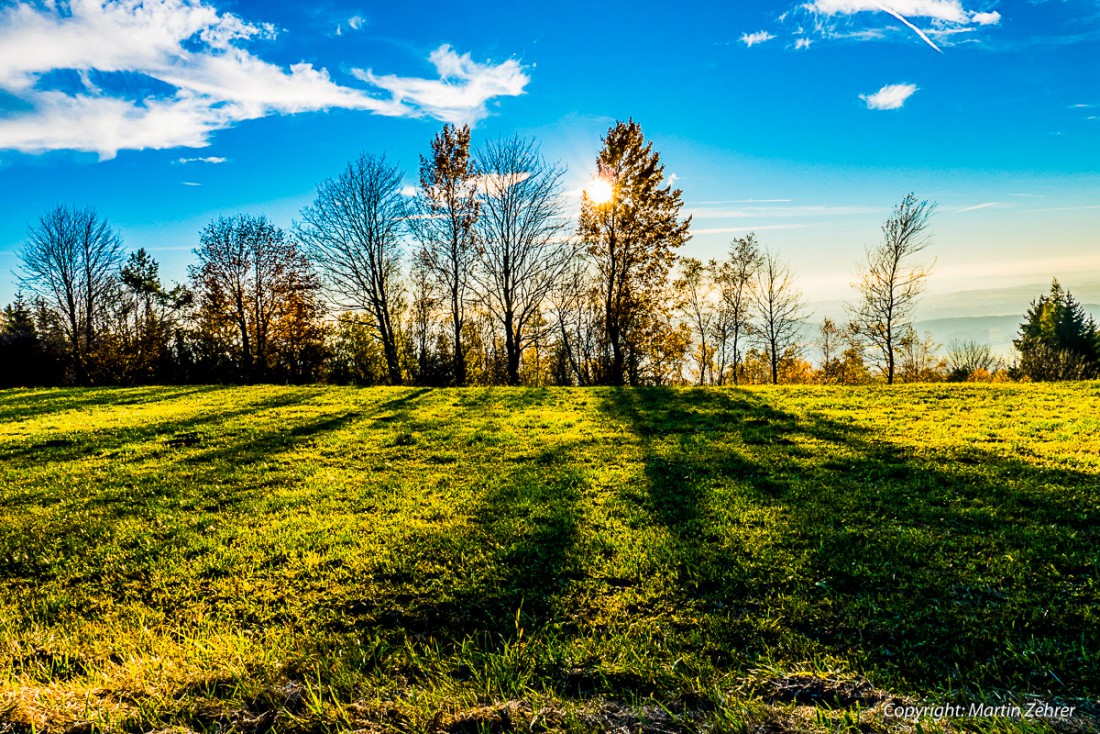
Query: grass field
x,y
331,559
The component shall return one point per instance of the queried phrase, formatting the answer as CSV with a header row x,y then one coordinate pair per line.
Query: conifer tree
x,y
1058,340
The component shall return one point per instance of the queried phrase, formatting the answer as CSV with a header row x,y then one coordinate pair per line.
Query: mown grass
x,y
329,559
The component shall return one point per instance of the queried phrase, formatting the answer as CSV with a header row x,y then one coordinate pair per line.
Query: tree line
x,y
482,277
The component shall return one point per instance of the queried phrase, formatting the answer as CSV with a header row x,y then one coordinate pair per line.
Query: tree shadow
x,y
119,534
809,536
508,563
784,535
172,434
26,404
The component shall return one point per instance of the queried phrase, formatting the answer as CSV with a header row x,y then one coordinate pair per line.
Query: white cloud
x,y
493,184
937,18
979,207
207,159
356,22
942,10
752,39
986,18
802,43
890,97
459,95
210,80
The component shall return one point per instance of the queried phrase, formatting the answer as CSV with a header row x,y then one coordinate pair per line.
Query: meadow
x,y
730,560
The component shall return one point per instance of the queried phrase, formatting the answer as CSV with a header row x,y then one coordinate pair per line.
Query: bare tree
x,y
352,234
829,340
889,282
694,287
523,240
917,357
71,260
965,357
251,285
445,225
735,277
577,314
779,309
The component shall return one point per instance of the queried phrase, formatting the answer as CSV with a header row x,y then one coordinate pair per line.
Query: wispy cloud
x,y
753,39
74,68
461,92
979,207
355,23
906,22
213,159
890,97
802,43
743,201
941,20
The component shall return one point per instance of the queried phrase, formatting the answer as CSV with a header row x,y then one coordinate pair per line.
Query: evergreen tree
x,y
20,349
1058,340
147,317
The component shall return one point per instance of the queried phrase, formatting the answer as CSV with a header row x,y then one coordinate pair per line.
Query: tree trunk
x,y
511,347
459,359
389,343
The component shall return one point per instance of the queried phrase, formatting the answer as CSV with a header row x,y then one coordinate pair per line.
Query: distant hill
x,y
1000,301
988,316
996,331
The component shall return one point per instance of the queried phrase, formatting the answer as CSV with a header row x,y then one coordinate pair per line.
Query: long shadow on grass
x,y
27,404
74,537
173,435
510,553
513,557
799,536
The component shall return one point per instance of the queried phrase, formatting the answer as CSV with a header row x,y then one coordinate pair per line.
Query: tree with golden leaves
x,y
447,208
890,282
631,228
256,299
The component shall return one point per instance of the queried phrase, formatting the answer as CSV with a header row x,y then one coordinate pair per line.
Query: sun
x,y
599,191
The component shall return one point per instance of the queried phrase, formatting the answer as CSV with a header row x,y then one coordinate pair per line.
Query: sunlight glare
x,y
599,190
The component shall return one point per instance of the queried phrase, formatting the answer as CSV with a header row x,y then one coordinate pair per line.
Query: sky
x,y
802,121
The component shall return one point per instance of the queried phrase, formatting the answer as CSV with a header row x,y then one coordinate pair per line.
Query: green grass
x,y
330,559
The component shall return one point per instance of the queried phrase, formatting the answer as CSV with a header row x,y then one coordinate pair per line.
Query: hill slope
x,y
654,559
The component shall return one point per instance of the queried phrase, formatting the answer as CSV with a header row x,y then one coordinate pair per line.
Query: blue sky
x,y
802,121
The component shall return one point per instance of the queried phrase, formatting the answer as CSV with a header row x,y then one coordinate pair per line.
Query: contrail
x,y
902,18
